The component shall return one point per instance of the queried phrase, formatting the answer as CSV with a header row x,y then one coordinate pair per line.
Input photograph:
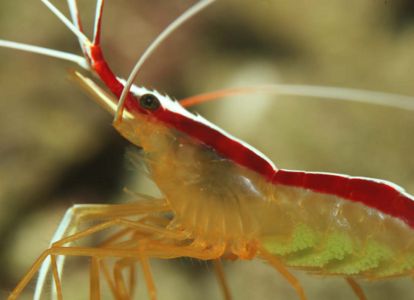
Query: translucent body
x,y
214,205
221,203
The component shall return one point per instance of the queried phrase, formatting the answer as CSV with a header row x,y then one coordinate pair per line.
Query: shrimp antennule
x,y
81,61
192,11
80,35
325,92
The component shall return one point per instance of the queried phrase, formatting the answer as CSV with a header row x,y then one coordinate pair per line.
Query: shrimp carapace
x,y
322,219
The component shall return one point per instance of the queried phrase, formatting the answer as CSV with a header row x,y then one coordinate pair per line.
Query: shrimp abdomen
x,y
333,236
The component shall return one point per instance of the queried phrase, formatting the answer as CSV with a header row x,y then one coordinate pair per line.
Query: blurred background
x,y
57,148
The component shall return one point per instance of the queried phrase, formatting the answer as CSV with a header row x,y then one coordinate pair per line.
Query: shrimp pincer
x,y
221,198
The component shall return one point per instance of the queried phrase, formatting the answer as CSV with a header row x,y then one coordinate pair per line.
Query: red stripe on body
x,y
224,145
104,72
369,192
375,194
379,195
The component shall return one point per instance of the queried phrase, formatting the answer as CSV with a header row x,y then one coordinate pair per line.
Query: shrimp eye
x,y
149,102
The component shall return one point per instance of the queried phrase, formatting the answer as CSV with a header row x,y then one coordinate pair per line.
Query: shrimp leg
x,y
158,250
146,269
82,212
72,219
114,285
120,286
356,288
68,251
218,269
95,285
274,262
56,278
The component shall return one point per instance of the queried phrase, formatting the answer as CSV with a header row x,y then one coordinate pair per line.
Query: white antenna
x,y
67,23
331,93
81,61
97,25
74,13
193,10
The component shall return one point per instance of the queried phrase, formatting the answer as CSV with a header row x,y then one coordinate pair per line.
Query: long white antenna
x,y
81,61
74,13
67,23
348,94
331,93
97,24
193,10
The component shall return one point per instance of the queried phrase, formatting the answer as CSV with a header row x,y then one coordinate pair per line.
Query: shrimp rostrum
x,y
221,198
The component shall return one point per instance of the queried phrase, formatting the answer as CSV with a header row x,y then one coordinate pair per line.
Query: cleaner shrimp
x,y
224,199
